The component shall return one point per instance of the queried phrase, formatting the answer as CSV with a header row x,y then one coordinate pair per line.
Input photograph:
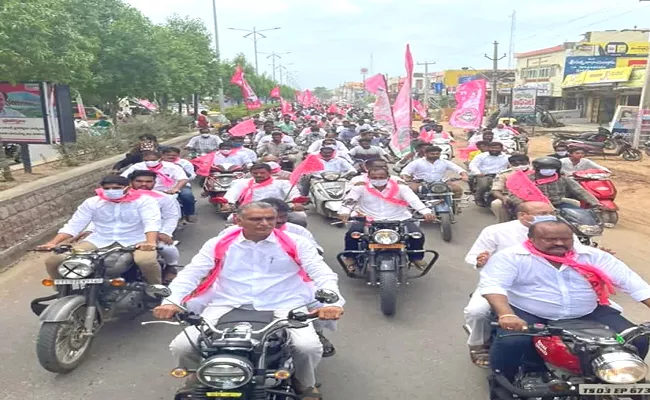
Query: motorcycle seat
x,y
259,319
586,143
588,329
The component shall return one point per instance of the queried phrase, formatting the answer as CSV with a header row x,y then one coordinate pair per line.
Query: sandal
x,y
480,357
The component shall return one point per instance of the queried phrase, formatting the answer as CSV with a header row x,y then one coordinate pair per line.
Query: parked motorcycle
x,y
327,193
598,183
623,148
585,360
602,135
439,197
220,180
95,286
382,258
245,355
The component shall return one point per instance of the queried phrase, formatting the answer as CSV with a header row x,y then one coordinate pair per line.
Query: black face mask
x,y
495,153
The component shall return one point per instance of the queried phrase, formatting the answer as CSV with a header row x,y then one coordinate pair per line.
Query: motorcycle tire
x,y
632,155
388,292
609,218
445,227
610,145
46,347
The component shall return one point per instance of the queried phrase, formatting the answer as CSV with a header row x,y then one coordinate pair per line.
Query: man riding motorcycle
x,y
500,205
204,143
576,161
238,144
229,155
432,169
173,155
484,165
365,152
287,125
283,268
121,216
278,148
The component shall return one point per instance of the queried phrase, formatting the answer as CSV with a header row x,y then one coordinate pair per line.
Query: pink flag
x,y
311,164
285,106
308,98
521,186
401,140
275,92
419,108
299,97
243,128
375,82
333,109
250,98
382,111
470,99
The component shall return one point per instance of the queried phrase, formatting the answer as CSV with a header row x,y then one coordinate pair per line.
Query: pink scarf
x,y
131,195
542,181
393,190
247,195
287,244
203,164
151,193
599,281
164,179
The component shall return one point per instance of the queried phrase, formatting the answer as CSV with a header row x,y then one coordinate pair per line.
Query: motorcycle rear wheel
x,y
445,227
60,347
388,292
632,155
610,144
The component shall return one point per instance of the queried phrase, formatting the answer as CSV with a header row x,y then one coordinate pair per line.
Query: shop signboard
x,y
619,49
523,101
625,120
576,64
574,80
612,75
637,79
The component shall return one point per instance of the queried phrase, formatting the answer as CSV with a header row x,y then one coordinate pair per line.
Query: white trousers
x,y
169,253
306,348
477,316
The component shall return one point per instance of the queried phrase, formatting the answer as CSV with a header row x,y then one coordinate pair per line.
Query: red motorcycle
x,y
597,183
220,180
584,360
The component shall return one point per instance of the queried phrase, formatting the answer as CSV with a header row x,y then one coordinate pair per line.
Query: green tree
x,y
322,93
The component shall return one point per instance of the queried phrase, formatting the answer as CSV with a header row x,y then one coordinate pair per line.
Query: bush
x,y
240,111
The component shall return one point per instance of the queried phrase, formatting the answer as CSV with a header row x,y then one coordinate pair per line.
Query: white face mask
x,y
114,194
152,164
378,182
547,172
561,153
205,135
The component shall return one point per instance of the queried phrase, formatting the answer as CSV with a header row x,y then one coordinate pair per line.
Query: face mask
x,y
561,153
152,164
495,153
543,218
521,167
114,194
236,145
378,182
205,135
547,172
225,152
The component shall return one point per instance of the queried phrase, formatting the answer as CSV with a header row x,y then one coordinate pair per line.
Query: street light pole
x,y
273,56
644,104
222,102
255,33
426,82
495,73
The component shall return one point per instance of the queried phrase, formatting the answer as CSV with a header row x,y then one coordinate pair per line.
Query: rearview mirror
x,y
158,291
326,296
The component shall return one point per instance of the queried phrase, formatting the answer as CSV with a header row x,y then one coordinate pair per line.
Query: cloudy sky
x,y
331,40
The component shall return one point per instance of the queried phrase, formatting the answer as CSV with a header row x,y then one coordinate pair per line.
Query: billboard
x,y
577,64
23,113
523,101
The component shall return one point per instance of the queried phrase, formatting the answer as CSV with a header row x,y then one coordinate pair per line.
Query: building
x,y
542,70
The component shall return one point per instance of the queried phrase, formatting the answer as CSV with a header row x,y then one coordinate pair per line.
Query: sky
x,y
331,40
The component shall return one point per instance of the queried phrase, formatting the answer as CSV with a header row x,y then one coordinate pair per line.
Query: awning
x,y
597,77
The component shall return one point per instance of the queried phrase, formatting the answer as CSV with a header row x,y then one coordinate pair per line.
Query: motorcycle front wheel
x,y
632,155
388,292
610,144
445,227
61,346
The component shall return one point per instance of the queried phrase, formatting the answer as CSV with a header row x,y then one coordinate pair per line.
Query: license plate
x,y
617,390
223,394
78,281
386,246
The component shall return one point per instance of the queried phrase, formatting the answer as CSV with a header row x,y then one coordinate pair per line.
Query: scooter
x,y
220,180
623,148
602,135
327,193
597,183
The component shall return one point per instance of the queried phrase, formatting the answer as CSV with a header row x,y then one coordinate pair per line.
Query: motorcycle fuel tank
x,y
556,353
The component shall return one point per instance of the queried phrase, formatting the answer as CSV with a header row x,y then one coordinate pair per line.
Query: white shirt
x,y
303,232
316,145
477,138
188,167
249,155
307,131
378,208
124,223
176,172
205,145
364,178
568,168
238,158
430,172
533,285
279,189
484,163
336,164
260,274
267,138
502,134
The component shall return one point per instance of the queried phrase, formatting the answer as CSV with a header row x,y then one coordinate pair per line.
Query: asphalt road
x,y
419,354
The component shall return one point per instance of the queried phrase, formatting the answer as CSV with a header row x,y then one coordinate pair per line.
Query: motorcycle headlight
x,y
225,181
386,236
334,189
225,372
439,188
76,268
620,367
591,230
330,176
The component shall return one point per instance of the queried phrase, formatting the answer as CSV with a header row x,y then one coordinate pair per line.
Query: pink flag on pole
x,y
375,82
275,92
401,140
419,108
243,128
308,98
521,186
285,106
381,110
470,99
311,164
250,98
299,97
333,109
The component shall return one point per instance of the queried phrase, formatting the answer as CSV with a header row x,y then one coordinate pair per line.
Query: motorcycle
x,y
585,360
488,198
245,355
515,145
95,286
597,183
439,197
602,135
447,152
623,148
327,193
584,222
220,180
382,257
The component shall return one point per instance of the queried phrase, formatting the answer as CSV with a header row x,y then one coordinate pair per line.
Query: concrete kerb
x,y
9,257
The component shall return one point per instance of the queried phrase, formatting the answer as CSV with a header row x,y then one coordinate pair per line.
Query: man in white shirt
x,y
502,133
577,162
265,131
185,196
546,279
316,145
238,144
311,133
333,162
121,217
204,143
486,136
432,169
228,155
485,166
254,268
363,178
171,178
383,198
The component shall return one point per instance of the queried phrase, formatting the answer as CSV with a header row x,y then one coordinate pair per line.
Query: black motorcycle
x,y
439,197
95,286
586,223
245,355
383,258
602,135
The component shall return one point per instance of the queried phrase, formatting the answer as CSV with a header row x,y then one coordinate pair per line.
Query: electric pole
x,y
273,56
255,33
222,103
426,81
495,73
511,49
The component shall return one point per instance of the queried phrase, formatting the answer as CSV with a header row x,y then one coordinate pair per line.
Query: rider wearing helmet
x,y
557,188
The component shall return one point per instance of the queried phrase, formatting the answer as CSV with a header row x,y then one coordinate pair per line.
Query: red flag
x,y
275,92
401,140
285,106
521,186
238,77
375,82
419,108
311,164
243,128
250,98
470,99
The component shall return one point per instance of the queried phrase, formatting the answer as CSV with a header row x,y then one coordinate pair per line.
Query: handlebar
x,y
67,248
621,338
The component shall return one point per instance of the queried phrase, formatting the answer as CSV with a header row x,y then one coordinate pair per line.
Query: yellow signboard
x,y
574,80
455,77
608,75
619,49
634,62
637,78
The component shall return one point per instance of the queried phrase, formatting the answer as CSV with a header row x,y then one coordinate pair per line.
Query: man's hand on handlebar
x,y
46,247
166,311
330,313
464,177
512,323
146,246
430,217
165,238
344,218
